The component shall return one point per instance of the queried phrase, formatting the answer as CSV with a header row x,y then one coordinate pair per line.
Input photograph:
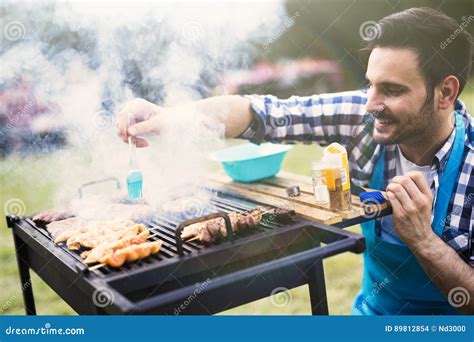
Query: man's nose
x,y
375,103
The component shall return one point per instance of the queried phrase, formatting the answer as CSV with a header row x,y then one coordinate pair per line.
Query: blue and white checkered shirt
x,y
342,117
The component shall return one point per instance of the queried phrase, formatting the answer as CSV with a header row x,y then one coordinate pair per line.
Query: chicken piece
x,y
98,252
68,233
91,227
131,253
96,241
120,236
94,238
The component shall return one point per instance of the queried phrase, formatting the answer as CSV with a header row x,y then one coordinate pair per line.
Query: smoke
x,y
85,60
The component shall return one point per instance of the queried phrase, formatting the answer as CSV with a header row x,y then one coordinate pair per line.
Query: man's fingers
x,y
400,193
141,128
394,202
409,185
420,182
139,142
122,126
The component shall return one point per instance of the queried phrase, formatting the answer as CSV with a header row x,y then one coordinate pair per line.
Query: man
x,y
407,133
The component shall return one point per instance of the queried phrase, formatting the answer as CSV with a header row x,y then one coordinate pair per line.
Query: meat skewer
x,y
207,232
131,253
104,235
93,227
94,255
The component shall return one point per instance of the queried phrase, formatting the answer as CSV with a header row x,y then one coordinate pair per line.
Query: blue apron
x,y
394,283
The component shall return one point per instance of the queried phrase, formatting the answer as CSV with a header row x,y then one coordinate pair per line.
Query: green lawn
x,y
19,179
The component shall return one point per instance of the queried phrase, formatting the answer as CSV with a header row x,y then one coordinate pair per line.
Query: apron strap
x,y
376,180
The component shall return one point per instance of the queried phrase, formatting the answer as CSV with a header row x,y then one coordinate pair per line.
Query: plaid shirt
x,y
342,117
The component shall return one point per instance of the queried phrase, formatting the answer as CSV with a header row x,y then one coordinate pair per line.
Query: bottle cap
x,y
293,191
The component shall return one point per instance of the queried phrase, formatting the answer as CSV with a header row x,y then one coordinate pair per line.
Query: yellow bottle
x,y
337,176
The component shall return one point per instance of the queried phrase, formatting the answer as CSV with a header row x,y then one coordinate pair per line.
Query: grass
x,y
19,179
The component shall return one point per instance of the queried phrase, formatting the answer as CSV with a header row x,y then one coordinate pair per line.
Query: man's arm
x,y
446,269
412,201
321,118
231,110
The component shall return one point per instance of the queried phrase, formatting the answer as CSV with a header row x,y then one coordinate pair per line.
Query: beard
x,y
414,129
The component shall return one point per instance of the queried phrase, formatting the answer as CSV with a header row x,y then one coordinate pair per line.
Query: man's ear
x,y
448,91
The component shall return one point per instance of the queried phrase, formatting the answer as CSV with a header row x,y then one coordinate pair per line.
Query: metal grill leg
x,y
317,289
25,279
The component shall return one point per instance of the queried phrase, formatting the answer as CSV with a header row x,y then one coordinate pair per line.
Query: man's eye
x,y
393,92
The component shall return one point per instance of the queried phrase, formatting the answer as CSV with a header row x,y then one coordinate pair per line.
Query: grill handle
x,y
109,179
179,229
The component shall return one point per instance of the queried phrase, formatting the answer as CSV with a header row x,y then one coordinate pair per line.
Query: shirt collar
x,y
441,157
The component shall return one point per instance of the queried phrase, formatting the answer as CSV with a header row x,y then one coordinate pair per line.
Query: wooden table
x,y
272,191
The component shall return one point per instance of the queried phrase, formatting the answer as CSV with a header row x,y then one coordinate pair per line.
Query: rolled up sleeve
x,y
321,118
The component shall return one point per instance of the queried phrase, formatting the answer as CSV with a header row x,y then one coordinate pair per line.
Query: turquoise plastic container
x,y
249,162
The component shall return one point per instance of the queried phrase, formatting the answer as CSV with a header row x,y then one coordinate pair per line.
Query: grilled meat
x,y
136,211
91,226
208,231
52,215
94,238
95,254
131,253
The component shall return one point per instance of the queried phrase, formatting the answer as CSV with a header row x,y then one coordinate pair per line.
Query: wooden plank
x,y
286,179
280,192
282,182
305,211
273,190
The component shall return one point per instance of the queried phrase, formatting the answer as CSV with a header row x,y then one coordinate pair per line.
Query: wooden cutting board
x,y
272,191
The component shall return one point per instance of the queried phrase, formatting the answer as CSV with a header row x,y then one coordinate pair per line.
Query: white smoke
x,y
88,58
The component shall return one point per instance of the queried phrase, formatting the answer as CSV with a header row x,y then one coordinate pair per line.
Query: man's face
x,y
397,97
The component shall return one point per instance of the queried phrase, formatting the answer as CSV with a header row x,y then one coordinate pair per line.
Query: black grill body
x,y
201,280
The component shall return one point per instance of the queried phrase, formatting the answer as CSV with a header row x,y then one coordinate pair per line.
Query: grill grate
x,y
164,229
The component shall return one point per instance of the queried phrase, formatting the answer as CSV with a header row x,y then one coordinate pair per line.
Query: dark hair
x,y
444,47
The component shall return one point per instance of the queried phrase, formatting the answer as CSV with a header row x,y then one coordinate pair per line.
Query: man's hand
x,y
145,120
412,201
233,111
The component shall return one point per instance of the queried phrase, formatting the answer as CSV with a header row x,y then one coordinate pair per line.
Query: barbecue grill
x,y
187,277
